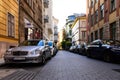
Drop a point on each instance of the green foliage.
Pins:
(66, 44)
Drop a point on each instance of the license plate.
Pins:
(19, 58)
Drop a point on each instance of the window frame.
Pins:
(11, 25)
(102, 11)
(112, 5)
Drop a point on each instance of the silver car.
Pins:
(29, 51)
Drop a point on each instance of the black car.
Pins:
(81, 48)
(108, 50)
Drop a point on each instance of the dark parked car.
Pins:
(29, 51)
(81, 48)
(72, 48)
(109, 50)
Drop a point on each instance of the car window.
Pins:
(41, 43)
(50, 43)
(95, 43)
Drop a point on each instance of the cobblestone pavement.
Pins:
(69, 66)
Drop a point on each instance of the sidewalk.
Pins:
(2, 61)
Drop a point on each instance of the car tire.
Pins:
(107, 58)
(43, 59)
(88, 54)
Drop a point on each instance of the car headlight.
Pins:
(36, 52)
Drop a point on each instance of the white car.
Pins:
(29, 51)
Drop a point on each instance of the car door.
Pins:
(96, 49)
(47, 50)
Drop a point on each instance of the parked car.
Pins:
(29, 51)
(53, 48)
(109, 50)
(81, 48)
(72, 48)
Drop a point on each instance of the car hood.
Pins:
(26, 48)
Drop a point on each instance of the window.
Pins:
(101, 11)
(11, 25)
(96, 34)
(91, 36)
(83, 34)
(96, 1)
(89, 4)
(96, 16)
(112, 5)
(113, 31)
(92, 20)
(92, 3)
(101, 33)
(83, 24)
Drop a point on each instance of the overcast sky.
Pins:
(64, 8)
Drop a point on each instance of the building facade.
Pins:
(61, 37)
(55, 31)
(79, 30)
(8, 24)
(30, 19)
(68, 29)
(103, 19)
(48, 20)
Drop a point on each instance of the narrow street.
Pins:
(66, 66)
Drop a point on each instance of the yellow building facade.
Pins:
(9, 11)
(79, 30)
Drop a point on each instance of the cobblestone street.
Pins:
(69, 66)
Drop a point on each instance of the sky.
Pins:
(63, 8)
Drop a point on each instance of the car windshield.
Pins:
(41, 43)
(29, 43)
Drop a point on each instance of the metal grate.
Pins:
(19, 53)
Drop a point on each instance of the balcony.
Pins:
(46, 3)
(46, 19)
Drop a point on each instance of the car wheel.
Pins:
(43, 59)
(88, 54)
(107, 58)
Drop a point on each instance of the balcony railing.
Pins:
(46, 3)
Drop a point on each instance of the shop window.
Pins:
(11, 25)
